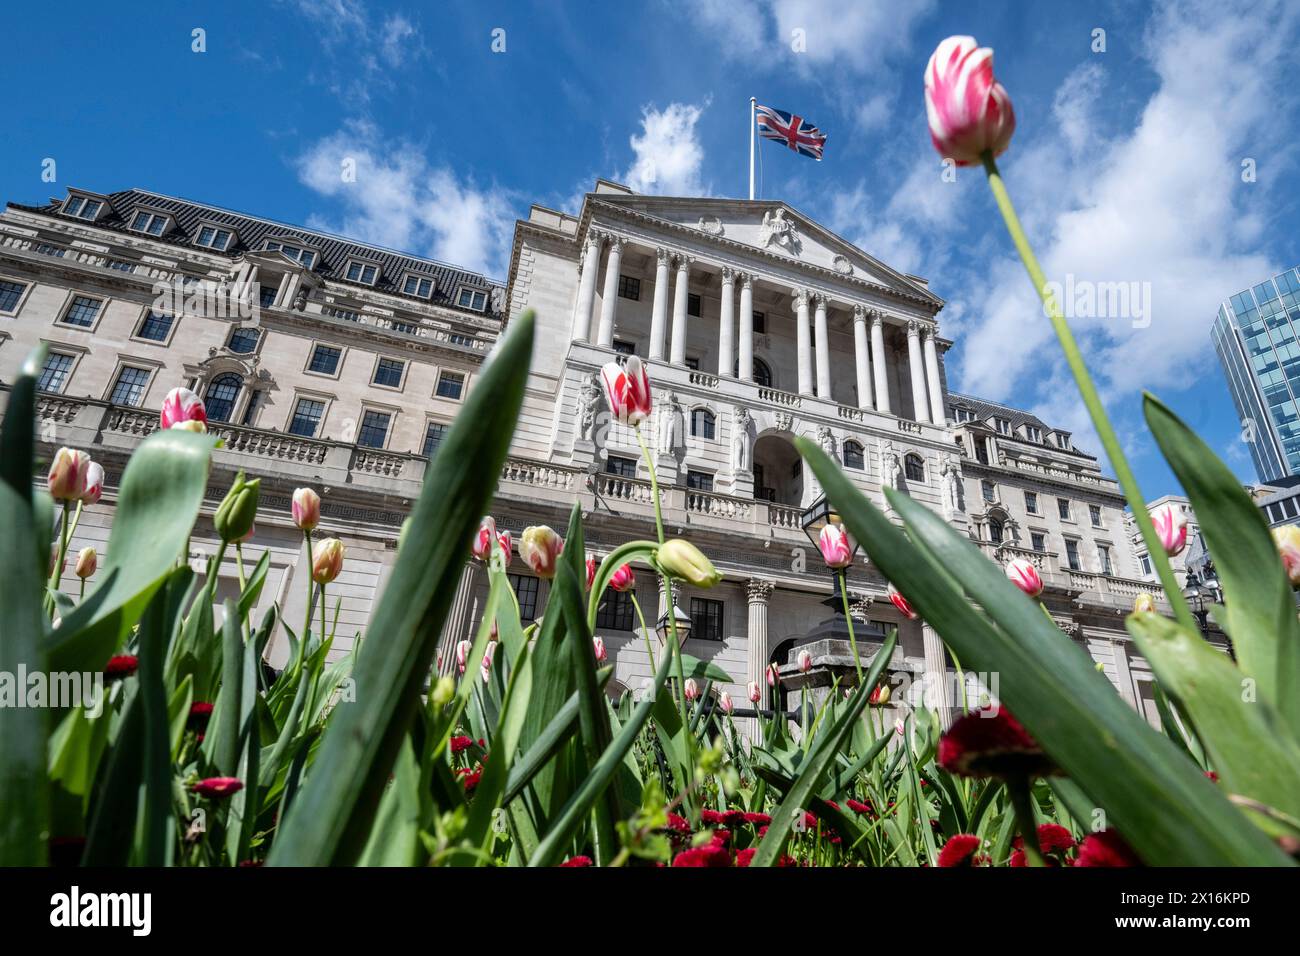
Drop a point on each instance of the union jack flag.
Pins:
(795, 131)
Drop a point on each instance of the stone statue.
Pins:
(890, 470)
(951, 486)
(826, 439)
(740, 439)
(587, 398)
(668, 428)
(778, 230)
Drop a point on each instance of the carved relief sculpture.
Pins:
(740, 439)
(668, 427)
(587, 399)
(779, 231)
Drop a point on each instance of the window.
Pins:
(703, 423)
(996, 530)
(760, 323)
(706, 619)
(83, 207)
(82, 312)
(624, 348)
(1038, 540)
(374, 429)
(362, 272)
(434, 433)
(152, 223)
(988, 490)
(324, 359)
(960, 413)
(1146, 563)
(692, 304)
(982, 451)
(629, 287)
(699, 481)
(1031, 502)
(456, 338)
(1063, 508)
(55, 372)
(914, 468)
(1072, 554)
(1094, 515)
(130, 386)
(472, 299)
(526, 593)
(304, 257)
(120, 265)
(1103, 559)
(306, 417)
(266, 295)
(450, 385)
(337, 313)
(762, 374)
(10, 293)
(388, 372)
(220, 400)
(853, 457)
(417, 286)
(1063, 440)
(45, 249)
(406, 327)
(211, 237)
(243, 340)
(693, 362)
(1033, 433)
(1003, 426)
(623, 467)
(616, 612)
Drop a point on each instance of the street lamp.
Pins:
(663, 627)
(820, 514)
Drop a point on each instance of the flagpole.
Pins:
(752, 103)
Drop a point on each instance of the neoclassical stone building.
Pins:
(338, 364)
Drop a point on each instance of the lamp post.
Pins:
(1202, 591)
(663, 627)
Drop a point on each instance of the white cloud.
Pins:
(399, 200)
(398, 40)
(668, 155)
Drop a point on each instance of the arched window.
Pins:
(762, 374)
(220, 400)
(995, 530)
(914, 468)
(702, 423)
(853, 455)
(243, 340)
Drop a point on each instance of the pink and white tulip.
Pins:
(623, 579)
(67, 476)
(773, 675)
(1022, 573)
(835, 546)
(969, 112)
(805, 662)
(94, 483)
(541, 547)
(482, 546)
(901, 603)
(1171, 528)
(87, 562)
(485, 668)
(182, 405)
(598, 646)
(462, 654)
(591, 571)
(327, 561)
(725, 704)
(627, 390)
(306, 509)
(1287, 540)
(692, 689)
(755, 693)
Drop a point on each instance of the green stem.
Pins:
(57, 573)
(1022, 803)
(1091, 399)
(645, 632)
(654, 484)
(853, 642)
(306, 621)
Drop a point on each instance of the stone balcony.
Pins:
(1097, 589)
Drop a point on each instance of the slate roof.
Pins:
(252, 232)
(985, 410)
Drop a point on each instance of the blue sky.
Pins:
(1126, 164)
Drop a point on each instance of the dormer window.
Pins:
(364, 272)
(472, 299)
(961, 413)
(83, 207)
(214, 237)
(1033, 433)
(1003, 426)
(419, 286)
(304, 257)
(150, 223)
(1063, 440)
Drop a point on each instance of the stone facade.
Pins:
(758, 325)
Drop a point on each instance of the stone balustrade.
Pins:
(1105, 588)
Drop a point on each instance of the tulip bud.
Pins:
(485, 668)
(773, 675)
(443, 691)
(591, 571)
(805, 662)
(627, 390)
(692, 689)
(623, 579)
(724, 703)
(87, 562)
(462, 654)
(180, 406)
(900, 602)
(835, 546)
(94, 484)
(598, 645)
(306, 509)
(1171, 528)
(681, 559)
(540, 547)
(1287, 540)
(755, 694)
(327, 561)
(969, 112)
(67, 476)
(898, 727)
(1022, 573)
(879, 696)
(1144, 603)
(235, 514)
(482, 546)
(503, 539)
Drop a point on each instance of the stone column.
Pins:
(727, 322)
(936, 672)
(609, 299)
(678, 356)
(878, 361)
(659, 311)
(861, 363)
(460, 619)
(917, 373)
(938, 414)
(1124, 676)
(586, 286)
(823, 348)
(802, 343)
(759, 592)
(746, 360)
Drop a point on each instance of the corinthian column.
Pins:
(727, 322)
(746, 328)
(659, 310)
(457, 626)
(802, 343)
(920, 407)
(937, 411)
(609, 300)
(936, 672)
(756, 654)
(878, 361)
(679, 310)
(823, 348)
(586, 286)
(861, 364)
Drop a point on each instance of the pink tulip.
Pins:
(725, 704)
(67, 477)
(755, 694)
(94, 483)
(503, 539)
(900, 602)
(327, 561)
(773, 675)
(834, 544)
(623, 579)
(598, 645)
(1024, 575)
(87, 562)
(692, 689)
(482, 546)
(970, 113)
(182, 405)
(1287, 541)
(1171, 528)
(627, 390)
(462, 654)
(541, 547)
(306, 509)
(485, 668)
(591, 571)
(805, 662)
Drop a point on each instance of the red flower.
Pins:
(1106, 848)
(712, 855)
(961, 851)
(744, 856)
(734, 818)
(123, 665)
(859, 807)
(577, 861)
(470, 779)
(1214, 777)
(218, 787)
(762, 819)
(721, 837)
(762, 831)
(787, 860)
(987, 743)
(200, 711)
(710, 818)
(678, 823)
(461, 744)
(246, 864)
